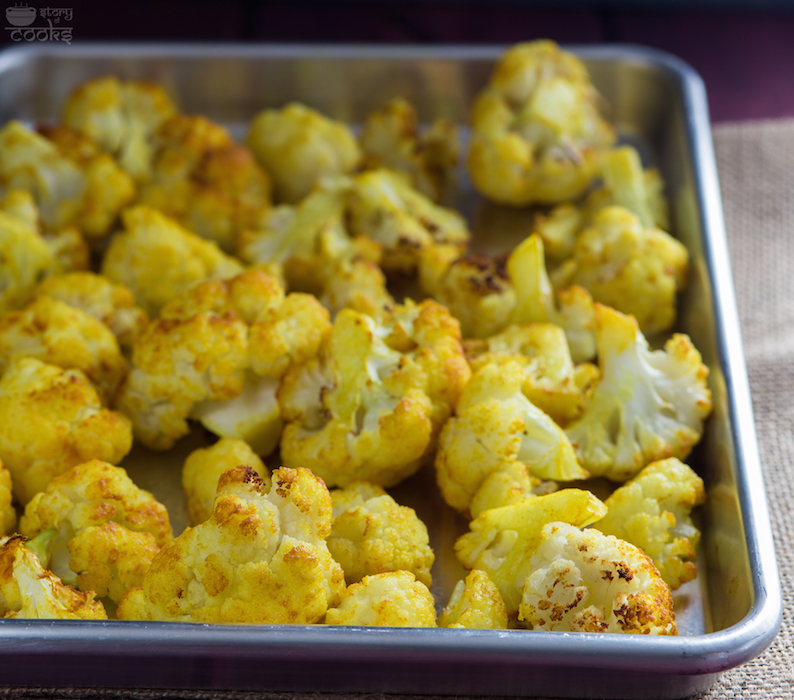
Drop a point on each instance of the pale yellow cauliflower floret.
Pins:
(475, 604)
(373, 534)
(63, 335)
(393, 599)
(583, 581)
(52, 419)
(28, 591)
(113, 304)
(204, 467)
(260, 558)
(121, 116)
(8, 514)
(297, 146)
(204, 180)
(537, 131)
(158, 259)
(96, 529)
(370, 405)
(648, 404)
(495, 428)
(392, 138)
(652, 511)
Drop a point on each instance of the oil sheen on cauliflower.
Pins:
(537, 132)
(99, 531)
(370, 405)
(475, 604)
(297, 146)
(373, 534)
(52, 419)
(648, 404)
(393, 599)
(260, 558)
(28, 591)
(652, 511)
(584, 581)
(496, 429)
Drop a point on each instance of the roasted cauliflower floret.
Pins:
(260, 558)
(370, 405)
(204, 467)
(633, 269)
(28, 591)
(648, 405)
(63, 335)
(393, 599)
(158, 259)
(112, 304)
(475, 604)
(373, 534)
(583, 581)
(297, 146)
(8, 514)
(204, 180)
(652, 512)
(392, 139)
(494, 428)
(101, 531)
(121, 116)
(52, 419)
(537, 131)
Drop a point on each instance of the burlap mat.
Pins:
(756, 166)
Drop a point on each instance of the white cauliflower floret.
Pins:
(28, 591)
(51, 419)
(297, 146)
(391, 138)
(158, 259)
(370, 405)
(652, 512)
(648, 405)
(393, 599)
(260, 558)
(495, 427)
(475, 604)
(537, 132)
(373, 534)
(204, 467)
(98, 531)
(8, 514)
(583, 581)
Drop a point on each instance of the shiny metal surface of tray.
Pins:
(726, 617)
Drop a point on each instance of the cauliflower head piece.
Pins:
(391, 599)
(648, 405)
(297, 146)
(260, 558)
(52, 419)
(584, 581)
(537, 132)
(475, 603)
(652, 511)
(372, 534)
(28, 591)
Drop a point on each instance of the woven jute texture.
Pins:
(756, 167)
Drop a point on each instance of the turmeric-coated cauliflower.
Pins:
(373, 534)
(537, 132)
(28, 591)
(52, 419)
(495, 427)
(393, 599)
(8, 514)
(260, 558)
(583, 581)
(96, 529)
(297, 146)
(652, 512)
(648, 404)
(475, 604)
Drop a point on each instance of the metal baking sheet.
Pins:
(726, 617)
